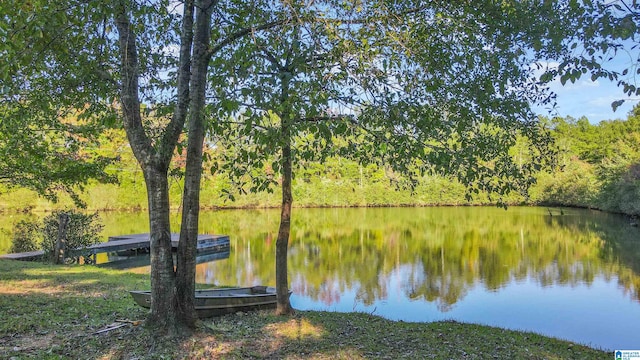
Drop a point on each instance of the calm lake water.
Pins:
(574, 274)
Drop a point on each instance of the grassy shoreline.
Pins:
(53, 312)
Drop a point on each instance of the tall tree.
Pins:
(289, 90)
(155, 157)
(200, 38)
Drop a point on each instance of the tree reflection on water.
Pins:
(443, 252)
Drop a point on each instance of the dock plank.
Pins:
(206, 243)
(31, 255)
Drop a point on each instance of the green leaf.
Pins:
(564, 78)
(616, 104)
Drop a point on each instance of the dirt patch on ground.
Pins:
(26, 345)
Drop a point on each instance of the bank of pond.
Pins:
(567, 273)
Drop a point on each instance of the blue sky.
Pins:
(590, 99)
(593, 98)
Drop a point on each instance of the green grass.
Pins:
(52, 312)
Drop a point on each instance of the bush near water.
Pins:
(82, 230)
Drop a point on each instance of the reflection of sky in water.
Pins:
(598, 314)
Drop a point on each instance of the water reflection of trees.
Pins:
(620, 250)
(440, 253)
(432, 254)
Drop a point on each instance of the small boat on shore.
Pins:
(214, 302)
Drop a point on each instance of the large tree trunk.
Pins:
(162, 275)
(186, 258)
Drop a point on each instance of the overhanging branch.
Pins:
(326, 118)
(241, 33)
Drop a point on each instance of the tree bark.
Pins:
(187, 247)
(283, 306)
(163, 301)
(282, 243)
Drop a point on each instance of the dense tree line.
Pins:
(598, 166)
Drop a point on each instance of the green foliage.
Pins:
(585, 53)
(598, 165)
(394, 94)
(52, 106)
(26, 237)
(609, 141)
(438, 90)
(576, 185)
(82, 230)
(622, 192)
(599, 176)
(48, 155)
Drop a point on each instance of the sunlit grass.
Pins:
(296, 329)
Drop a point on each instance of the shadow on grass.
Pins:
(43, 307)
(323, 335)
(65, 305)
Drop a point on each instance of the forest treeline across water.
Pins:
(598, 166)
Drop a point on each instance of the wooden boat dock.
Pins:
(26, 256)
(206, 243)
(117, 262)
